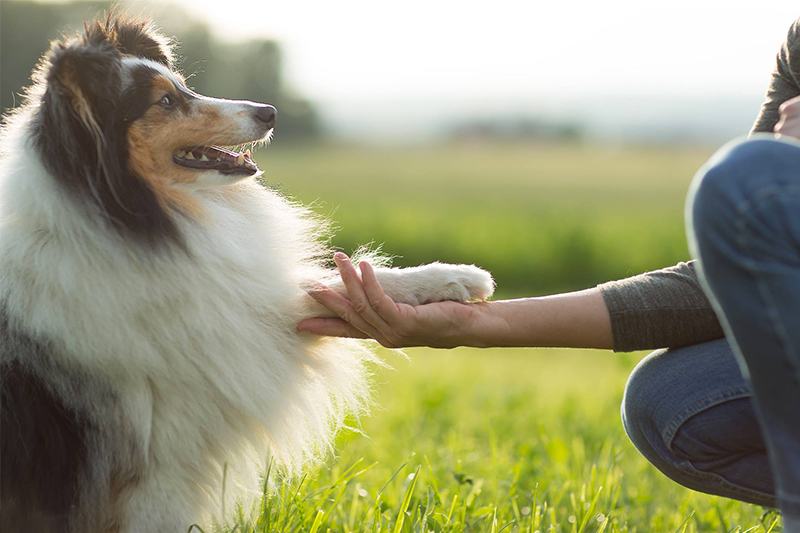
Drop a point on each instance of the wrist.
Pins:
(484, 326)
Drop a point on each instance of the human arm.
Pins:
(579, 319)
(784, 82)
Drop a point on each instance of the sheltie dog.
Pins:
(149, 293)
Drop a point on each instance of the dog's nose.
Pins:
(266, 114)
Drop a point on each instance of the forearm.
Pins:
(572, 320)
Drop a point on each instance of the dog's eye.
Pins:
(167, 101)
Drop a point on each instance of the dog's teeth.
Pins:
(240, 159)
(203, 157)
(190, 155)
(181, 153)
(247, 153)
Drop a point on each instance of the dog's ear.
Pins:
(138, 37)
(87, 78)
(131, 35)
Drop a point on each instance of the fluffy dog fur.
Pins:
(148, 299)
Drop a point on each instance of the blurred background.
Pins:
(551, 144)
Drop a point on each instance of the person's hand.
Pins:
(367, 312)
(789, 123)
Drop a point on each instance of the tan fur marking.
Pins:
(162, 85)
(152, 160)
(212, 114)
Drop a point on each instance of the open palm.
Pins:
(367, 312)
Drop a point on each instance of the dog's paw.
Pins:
(467, 282)
(461, 283)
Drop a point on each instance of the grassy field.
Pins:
(503, 439)
(541, 218)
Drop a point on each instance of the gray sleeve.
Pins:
(668, 308)
(784, 83)
(665, 308)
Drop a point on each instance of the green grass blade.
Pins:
(398, 526)
(317, 522)
(683, 523)
(590, 511)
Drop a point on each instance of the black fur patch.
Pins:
(81, 131)
(132, 36)
(43, 443)
(61, 470)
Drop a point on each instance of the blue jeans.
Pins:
(732, 427)
(689, 412)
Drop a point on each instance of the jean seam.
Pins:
(744, 210)
(668, 434)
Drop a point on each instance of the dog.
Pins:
(149, 293)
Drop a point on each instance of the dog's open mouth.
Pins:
(216, 158)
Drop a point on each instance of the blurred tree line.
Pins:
(250, 70)
(516, 129)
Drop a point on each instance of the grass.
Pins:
(498, 440)
(503, 439)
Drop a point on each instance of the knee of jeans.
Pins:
(637, 410)
(730, 178)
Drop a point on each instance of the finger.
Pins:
(331, 327)
(382, 304)
(790, 107)
(356, 327)
(355, 290)
(789, 127)
(343, 308)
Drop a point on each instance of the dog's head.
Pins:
(119, 127)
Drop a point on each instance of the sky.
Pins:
(411, 59)
(348, 48)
